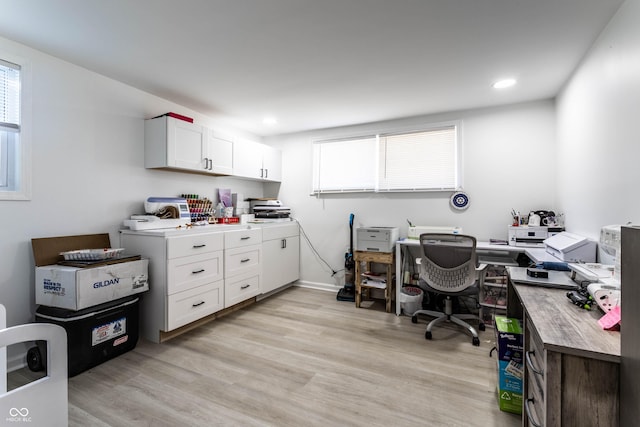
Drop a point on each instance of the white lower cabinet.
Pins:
(281, 260)
(196, 273)
(242, 260)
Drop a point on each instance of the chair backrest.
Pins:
(448, 261)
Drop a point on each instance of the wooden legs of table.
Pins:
(368, 258)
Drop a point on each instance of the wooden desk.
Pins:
(374, 257)
(572, 366)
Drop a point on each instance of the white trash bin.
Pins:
(410, 300)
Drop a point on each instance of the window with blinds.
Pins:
(12, 165)
(424, 160)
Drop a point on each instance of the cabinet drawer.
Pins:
(241, 238)
(188, 272)
(534, 410)
(273, 232)
(194, 244)
(241, 288)
(242, 260)
(193, 304)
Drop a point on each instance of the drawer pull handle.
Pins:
(198, 246)
(245, 238)
(198, 271)
(244, 286)
(530, 363)
(528, 411)
(197, 304)
(245, 260)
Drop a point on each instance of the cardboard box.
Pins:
(510, 368)
(76, 288)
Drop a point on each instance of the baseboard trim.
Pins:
(317, 285)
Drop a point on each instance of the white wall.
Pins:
(598, 138)
(87, 169)
(509, 162)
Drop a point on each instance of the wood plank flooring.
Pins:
(299, 358)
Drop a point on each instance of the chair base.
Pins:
(458, 319)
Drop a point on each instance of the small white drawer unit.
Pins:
(243, 263)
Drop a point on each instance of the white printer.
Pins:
(376, 239)
(570, 247)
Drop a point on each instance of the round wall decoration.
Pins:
(460, 200)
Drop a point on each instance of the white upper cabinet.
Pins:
(176, 144)
(219, 153)
(256, 161)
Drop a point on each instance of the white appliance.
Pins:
(161, 212)
(376, 239)
(269, 209)
(417, 230)
(570, 247)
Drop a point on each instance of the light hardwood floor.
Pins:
(299, 358)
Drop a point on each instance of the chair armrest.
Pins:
(481, 273)
(482, 267)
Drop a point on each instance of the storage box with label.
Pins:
(95, 334)
(510, 359)
(83, 283)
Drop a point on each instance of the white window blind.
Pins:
(425, 160)
(10, 152)
(9, 95)
(419, 161)
(345, 165)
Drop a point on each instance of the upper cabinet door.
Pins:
(219, 153)
(256, 161)
(247, 159)
(272, 163)
(186, 145)
(174, 143)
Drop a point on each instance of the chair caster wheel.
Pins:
(476, 341)
(414, 319)
(427, 335)
(481, 327)
(34, 359)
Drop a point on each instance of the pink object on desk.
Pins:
(611, 320)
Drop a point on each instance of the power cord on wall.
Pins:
(313, 249)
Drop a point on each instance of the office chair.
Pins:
(448, 267)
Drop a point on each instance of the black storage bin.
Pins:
(95, 334)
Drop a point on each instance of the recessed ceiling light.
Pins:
(503, 84)
(270, 121)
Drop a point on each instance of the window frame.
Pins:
(19, 155)
(386, 132)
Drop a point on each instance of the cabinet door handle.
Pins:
(244, 286)
(197, 304)
(245, 238)
(528, 412)
(210, 164)
(266, 173)
(198, 246)
(284, 243)
(261, 173)
(206, 163)
(535, 369)
(245, 260)
(198, 271)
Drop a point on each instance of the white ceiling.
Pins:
(318, 63)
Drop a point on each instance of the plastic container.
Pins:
(94, 335)
(410, 300)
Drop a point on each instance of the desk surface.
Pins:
(564, 327)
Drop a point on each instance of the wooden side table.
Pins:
(388, 259)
